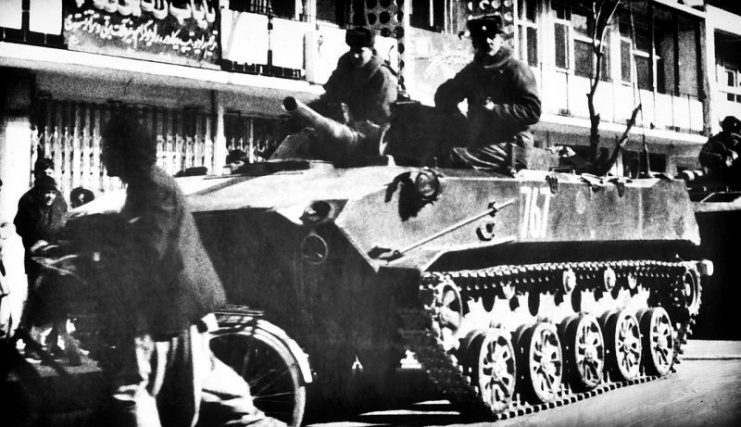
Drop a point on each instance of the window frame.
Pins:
(731, 91)
(523, 24)
(564, 22)
(573, 36)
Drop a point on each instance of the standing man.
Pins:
(164, 371)
(41, 215)
(502, 101)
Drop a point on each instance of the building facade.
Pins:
(208, 75)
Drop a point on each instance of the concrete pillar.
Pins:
(706, 57)
(710, 81)
(15, 170)
(217, 110)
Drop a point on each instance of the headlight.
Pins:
(316, 212)
(427, 185)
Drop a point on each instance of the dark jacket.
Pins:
(35, 221)
(176, 283)
(718, 150)
(505, 81)
(368, 91)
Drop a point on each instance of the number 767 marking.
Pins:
(536, 201)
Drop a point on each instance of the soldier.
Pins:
(720, 154)
(357, 101)
(164, 371)
(361, 81)
(502, 101)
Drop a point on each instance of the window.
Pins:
(572, 31)
(643, 70)
(635, 53)
(331, 11)
(731, 78)
(582, 58)
(279, 8)
(730, 84)
(625, 68)
(561, 32)
(428, 14)
(527, 31)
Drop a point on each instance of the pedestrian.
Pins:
(164, 372)
(41, 216)
(503, 102)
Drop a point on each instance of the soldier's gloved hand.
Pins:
(41, 247)
(488, 104)
(731, 158)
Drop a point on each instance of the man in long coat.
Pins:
(165, 373)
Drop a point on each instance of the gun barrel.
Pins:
(327, 127)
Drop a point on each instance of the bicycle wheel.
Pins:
(269, 368)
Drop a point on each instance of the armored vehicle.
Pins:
(503, 294)
(717, 206)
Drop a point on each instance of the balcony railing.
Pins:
(565, 94)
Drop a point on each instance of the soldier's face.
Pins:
(488, 44)
(359, 56)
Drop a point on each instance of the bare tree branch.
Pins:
(603, 14)
(620, 144)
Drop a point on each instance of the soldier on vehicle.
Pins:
(361, 81)
(164, 372)
(502, 100)
(720, 153)
(355, 109)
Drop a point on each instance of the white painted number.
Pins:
(536, 201)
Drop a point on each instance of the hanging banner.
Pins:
(181, 32)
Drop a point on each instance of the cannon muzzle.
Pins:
(326, 127)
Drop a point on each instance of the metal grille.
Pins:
(69, 133)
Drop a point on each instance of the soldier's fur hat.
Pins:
(485, 25)
(731, 124)
(360, 37)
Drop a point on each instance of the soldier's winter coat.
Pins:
(368, 91)
(502, 80)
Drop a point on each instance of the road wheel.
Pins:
(494, 368)
(658, 341)
(269, 368)
(541, 363)
(623, 344)
(584, 352)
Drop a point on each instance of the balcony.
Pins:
(565, 95)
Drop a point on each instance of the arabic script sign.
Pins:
(153, 30)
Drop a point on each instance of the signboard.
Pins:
(181, 32)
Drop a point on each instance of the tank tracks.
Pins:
(665, 282)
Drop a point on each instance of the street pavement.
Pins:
(704, 391)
